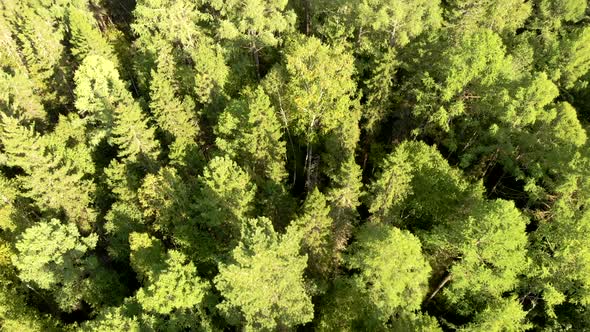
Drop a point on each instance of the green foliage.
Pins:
(264, 282)
(504, 16)
(226, 194)
(249, 131)
(416, 177)
(180, 24)
(393, 272)
(491, 247)
(52, 255)
(102, 98)
(314, 229)
(343, 165)
(173, 113)
(85, 36)
(506, 315)
(170, 282)
(254, 24)
(391, 281)
(56, 166)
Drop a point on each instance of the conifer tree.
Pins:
(491, 247)
(263, 286)
(85, 35)
(51, 256)
(102, 98)
(185, 26)
(391, 281)
(175, 114)
(314, 229)
(57, 167)
(255, 24)
(170, 283)
(249, 131)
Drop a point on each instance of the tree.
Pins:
(57, 167)
(226, 194)
(417, 179)
(249, 131)
(85, 35)
(254, 23)
(174, 113)
(314, 95)
(393, 272)
(185, 27)
(490, 252)
(503, 17)
(343, 198)
(15, 312)
(560, 274)
(393, 22)
(389, 281)
(52, 256)
(170, 283)
(19, 99)
(102, 98)
(263, 285)
(314, 229)
(36, 29)
(506, 314)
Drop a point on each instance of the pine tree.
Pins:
(314, 229)
(170, 283)
(249, 131)
(174, 114)
(57, 167)
(102, 98)
(314, 94)
(392, 281)
(85, 35)
(263, 286)
(491, 248)
(256, 24)
(51, 256)
(184, 26)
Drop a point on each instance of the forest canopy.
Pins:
(283, 165)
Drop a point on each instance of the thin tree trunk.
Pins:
(256, 58)
(307, 15)
(284, 117)
(440, 286)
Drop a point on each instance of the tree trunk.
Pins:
(307, 15)
(440, 286)
(256, 58)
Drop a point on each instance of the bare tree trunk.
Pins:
(256, 57)
(440, 286)
(286, 124)
(307, 14)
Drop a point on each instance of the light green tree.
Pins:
(389, 283)
(170, 283)
(250, 132)
(263, 286)
(174, 113)
(57, 167)
(504, 315)
(314, 229)
(490, 249)
(314, 94)
(51, 256)
(254, 24)
(85, 35)
(102, 98)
